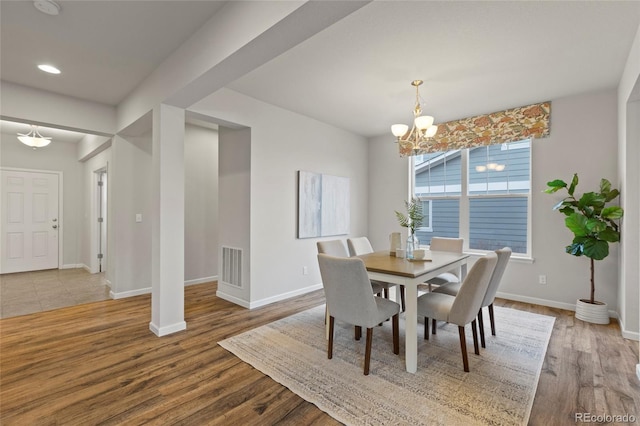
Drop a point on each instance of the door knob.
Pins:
(55, 226)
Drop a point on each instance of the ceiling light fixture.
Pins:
(34, 139)
(423, 129)
(47, 6)
(49, 68)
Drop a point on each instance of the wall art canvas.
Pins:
(323, 205)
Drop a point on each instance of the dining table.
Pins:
(384, 266)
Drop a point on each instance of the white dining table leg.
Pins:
(410, 327)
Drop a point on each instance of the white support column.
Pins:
(167, 290)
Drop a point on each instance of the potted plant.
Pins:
(411, 221)
(594, 226)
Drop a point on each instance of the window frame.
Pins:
(465, 198)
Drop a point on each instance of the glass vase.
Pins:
(412, 244)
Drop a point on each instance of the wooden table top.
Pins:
(383, 262)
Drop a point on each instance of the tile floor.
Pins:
(28, 292)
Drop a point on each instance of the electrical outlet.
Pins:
(542, 279)
(305, 270)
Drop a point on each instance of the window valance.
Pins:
(510, 125)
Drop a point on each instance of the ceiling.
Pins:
(475, 57)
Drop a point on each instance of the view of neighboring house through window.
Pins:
(481, 194)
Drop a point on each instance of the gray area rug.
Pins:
(499, 390)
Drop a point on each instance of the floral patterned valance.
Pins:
(499, 127)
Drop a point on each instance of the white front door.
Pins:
(29, 222)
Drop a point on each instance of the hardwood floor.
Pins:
(98, 363)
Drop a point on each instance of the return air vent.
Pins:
(232, 266)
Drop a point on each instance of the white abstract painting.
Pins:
(323, 205)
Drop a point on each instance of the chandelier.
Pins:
(423, 129)
(34, 139)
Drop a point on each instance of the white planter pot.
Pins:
(597, 313)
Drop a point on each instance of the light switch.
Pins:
(138, 217)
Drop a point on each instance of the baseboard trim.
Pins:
(86, 268)
(201, 280)
(631, 335)
(537, 301)
(167, 329)
(73, 266)
(284, 296)
(268, 300)
(130, 293)
(147, 290)
(232, 299)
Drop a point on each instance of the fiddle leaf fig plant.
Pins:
(413, 219)
(592, 222)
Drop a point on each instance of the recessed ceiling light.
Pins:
(49, 68)
(47, 6)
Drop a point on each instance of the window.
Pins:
(481, 194)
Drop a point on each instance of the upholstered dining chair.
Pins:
(349, 299)
(453, 245)
(362, 245)
(462, 308)
(337, 248)
(453, 288)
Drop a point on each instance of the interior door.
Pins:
(29, 223)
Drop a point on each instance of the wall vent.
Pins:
(232, 266)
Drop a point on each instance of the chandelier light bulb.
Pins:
(481, 168)
(399, 130)
(492, 166)
(500, 167)
(431, 131)
(423, 122)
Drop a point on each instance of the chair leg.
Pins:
(396, 333)
(493, 324)
(481, 326)
(463, 348)
(434, 323)
(330, 344)
(386, 293)
(358, 332)
(476, 349)
(426, 328)
(402, 298)
(367, 352)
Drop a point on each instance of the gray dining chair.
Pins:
(453, 288)
(462, 308)
(362, 245)
(337, 248)
(349, 299)
(452, 245)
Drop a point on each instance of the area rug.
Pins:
(499, 389)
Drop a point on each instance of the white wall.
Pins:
(201, 204)
(61, 157)
(129, 256)
(575, 145)
(282, 143)
(629, 175)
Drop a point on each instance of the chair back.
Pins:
(503, 260)
(333, 248)
(348, 290)
(472, 291)
(359, 245)
(453, 245)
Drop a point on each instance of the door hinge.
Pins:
(100, 183)
(100, 220)
(99, 255)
